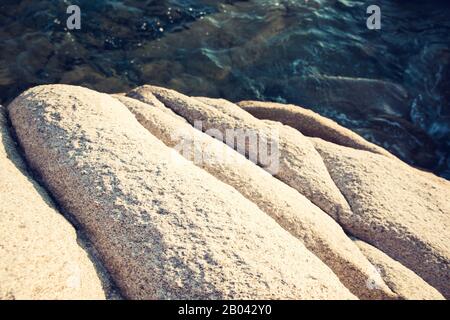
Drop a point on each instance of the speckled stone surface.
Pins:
(300, 166)
(165, 228)
(174, 213)
(318, 231)
(403, 211)
(39, 254)
(405, 283)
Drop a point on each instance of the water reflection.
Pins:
(392, 86)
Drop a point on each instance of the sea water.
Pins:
(391, 85)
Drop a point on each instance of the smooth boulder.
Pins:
(298, 163)
(318, 231)
(165, 228)
(40, 256)
(401, 210)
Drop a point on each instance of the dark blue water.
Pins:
(391, 85)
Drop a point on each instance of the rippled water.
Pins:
(392, 85)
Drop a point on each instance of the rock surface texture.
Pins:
(298, 164)
(319, 232)
(401, 210)
(403, 281)
(165, 228)
(198, 198)
(39, 254)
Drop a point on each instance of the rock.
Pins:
(40, 256)
(309, 123)
(294, 160)
(165, 228)
(400, 279)
(402, 211)
(296, 214)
